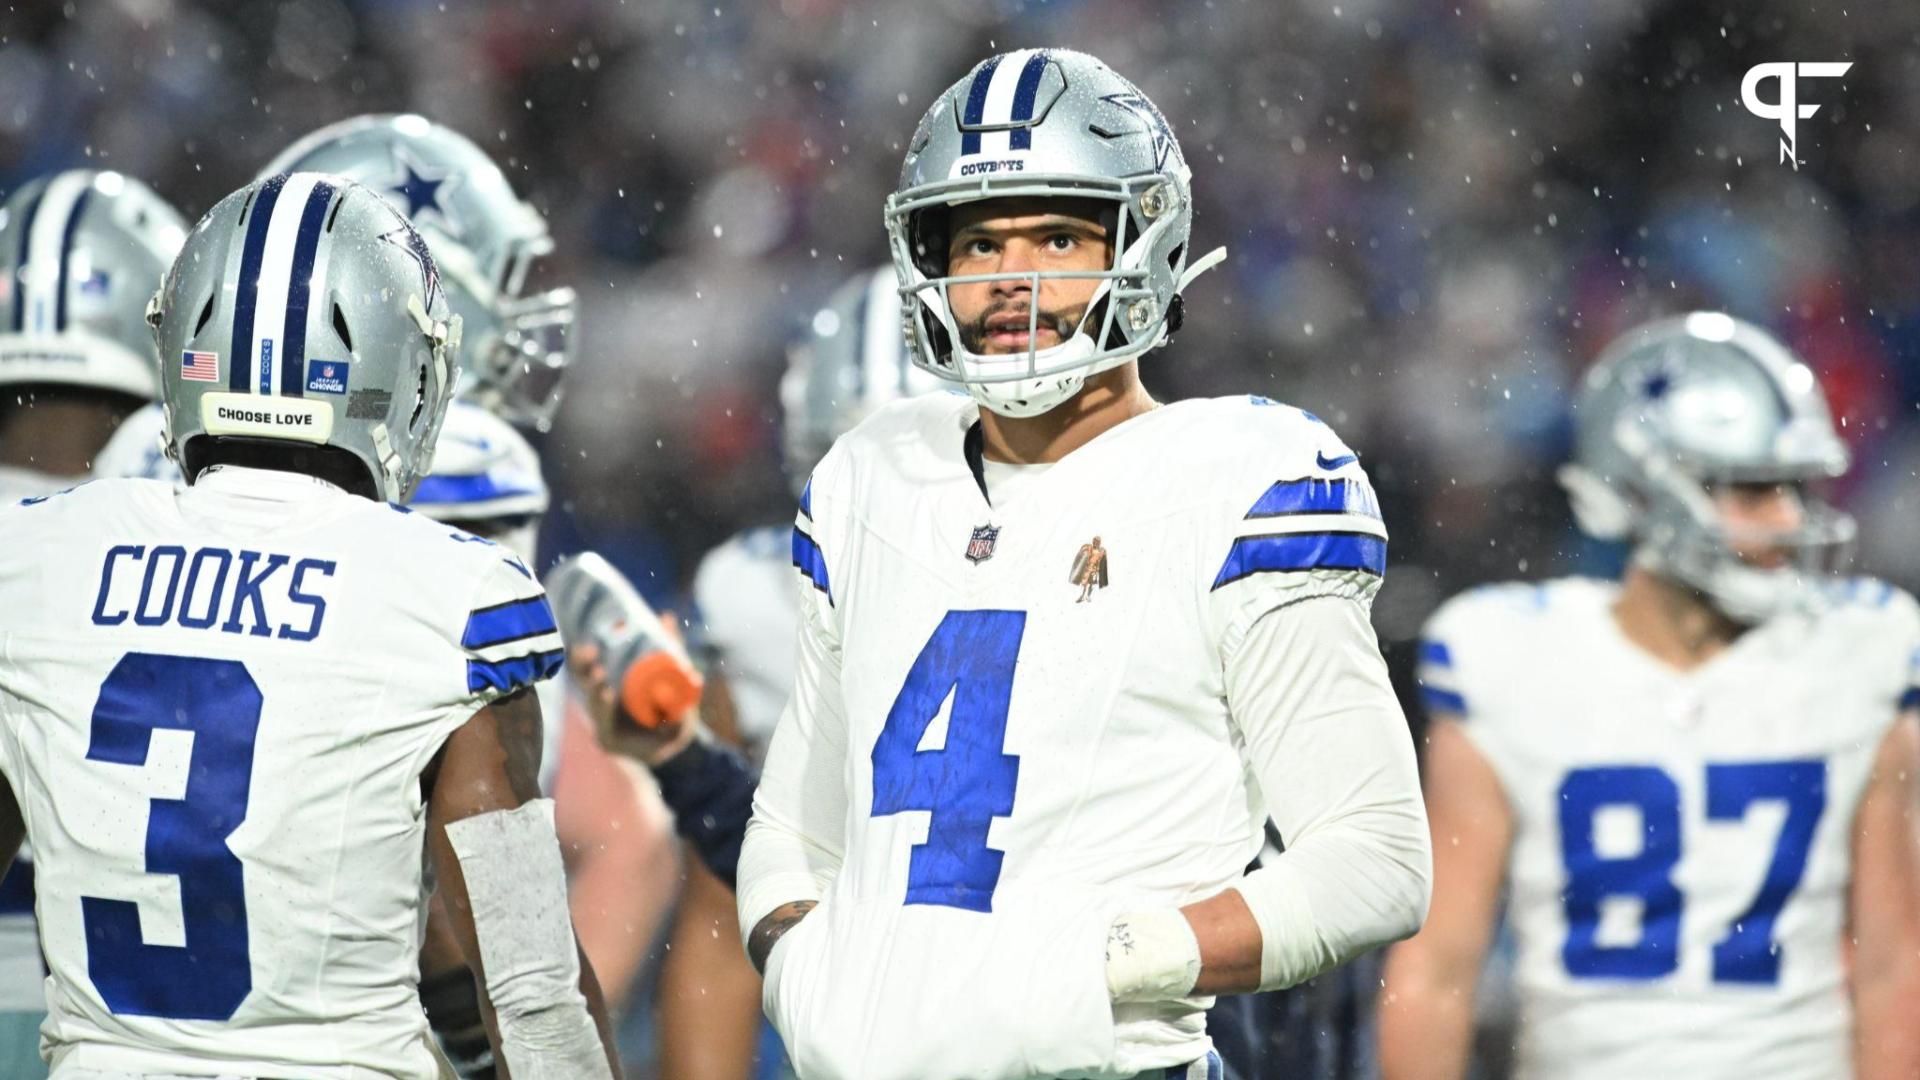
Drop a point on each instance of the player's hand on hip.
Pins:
(887, 991)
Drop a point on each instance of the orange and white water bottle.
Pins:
(653, 680)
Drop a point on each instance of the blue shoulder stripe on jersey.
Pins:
(439, 490)
(1910, 699)
(806, 500)
(513, 674)
(36, 500)
(976, 106)
(20, 262)
(1303, 551)
(246, 296)
(66, 255)
(1316, 495)
(811, 561)
(306, 246)
(1024, 93)
(1436, 653)
(511, 621)
(16, 890)
(1438, 700)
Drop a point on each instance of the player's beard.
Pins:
(973, 333)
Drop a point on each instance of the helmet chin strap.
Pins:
(1031, 397)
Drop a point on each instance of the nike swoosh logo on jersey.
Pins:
(1321, 459)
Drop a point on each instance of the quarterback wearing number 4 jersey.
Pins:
(1004, 822)
(1697, 784)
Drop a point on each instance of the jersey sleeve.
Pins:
(1441, 690)
(1905, 618)
(509, 638)
(1465, 669)
(795, 839)
(1325, 737)
(1298, 520)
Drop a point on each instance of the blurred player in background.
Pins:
(849, 360)
(485, 239)
(324, 689)
(81, 253)
(487, 242)
(1025, 821)
(1697, 786)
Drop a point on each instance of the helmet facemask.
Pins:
(517, 346)
(1699, 547)
(1122, 319)
(1680, 532)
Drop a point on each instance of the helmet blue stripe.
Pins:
(65, 284)
(306, 247)
(20, 264)
(976, 106)
(1023, 94)
(247, 291)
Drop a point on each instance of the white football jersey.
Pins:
(1678, 878)
(20, 968)
(215, 708)
(744, 594)
(1034, 688)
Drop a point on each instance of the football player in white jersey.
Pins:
(80, 254)
(850, 359)
(621, 873)
(1024, 820)
(1696, 786)
(234, 718)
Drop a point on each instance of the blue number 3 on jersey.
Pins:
(217, 700)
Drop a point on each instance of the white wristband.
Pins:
(1152, 956)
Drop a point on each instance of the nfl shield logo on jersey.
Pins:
(980, 545)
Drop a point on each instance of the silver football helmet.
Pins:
(80, 254)
(1680, 406)
(1046, 122)
(485, 471)
(484, 238)
(850, 360)
(304, 308)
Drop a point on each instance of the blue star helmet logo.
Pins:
(408, 240)
(418, 188)
(1155, 124)
(419, 191)
(1657, 385)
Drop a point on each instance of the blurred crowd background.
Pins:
(1437, 213)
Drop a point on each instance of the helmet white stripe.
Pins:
(1000, 94)
(276, 271)
(44, 245)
